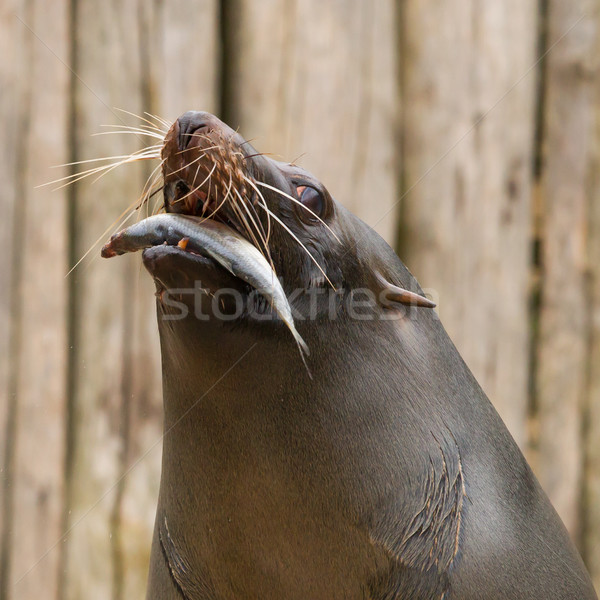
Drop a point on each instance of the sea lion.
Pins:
(377, 470)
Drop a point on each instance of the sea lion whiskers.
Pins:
(249, 208)
(119, 157)
(126, 129)
(259, 229)
(102, 158)
(194, 190)
(295, 237)
(271, 214)
(195, 177)
(298, 203)
(261, 198)
(145, 157)
(244, 157)
(115, 226)
(223, 201)
(152, 179)
(161, 121)
(190, 149)
(76, 177)
(159, 205)
(233, 202)
(247, 205)
(152, 191)
(196, 160)
(244, 221)
(151, 196)
(293, 162)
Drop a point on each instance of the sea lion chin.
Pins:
(374, 467)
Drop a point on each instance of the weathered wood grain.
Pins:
(108, 75)
(10, 35)
(591, 504)
(185, 50)
(468, 95)
(319, 80)
(564, 317)
(38, 317)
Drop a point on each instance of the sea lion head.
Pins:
(316, 247)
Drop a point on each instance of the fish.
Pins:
(217, 241)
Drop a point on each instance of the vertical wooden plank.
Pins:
(9, 38)
(185, 46)
(108, 75)
(564, 317)
(591, 504)
(320, 79)
(468, 148)
(39, 314)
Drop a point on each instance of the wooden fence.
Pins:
(467, 132)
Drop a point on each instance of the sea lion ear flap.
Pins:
(391, 295)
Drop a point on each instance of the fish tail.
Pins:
(302, 347)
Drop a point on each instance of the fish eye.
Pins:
(313, 200)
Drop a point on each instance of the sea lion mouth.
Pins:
(204, 176)
(174, 268)
(207, 238)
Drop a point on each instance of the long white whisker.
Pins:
(264, 202)
(75, 177)
(194, 190)
(124, 162)
(142, 118)
(158, 206)
(295, 200)
(104, 158)
(301, 244)
(103, 235)
(158, 119)
(237, 210)
(149, 197)
(136, 132)
(218, 208)
(153, 178)
(139, 128)
(258, 227)
(193, 148)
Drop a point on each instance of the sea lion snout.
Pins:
(193, 122)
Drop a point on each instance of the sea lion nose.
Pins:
(191, 123)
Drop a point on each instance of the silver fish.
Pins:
(217, 241)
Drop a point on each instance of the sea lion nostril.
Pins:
(190, 123)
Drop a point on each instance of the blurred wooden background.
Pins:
(467, 132)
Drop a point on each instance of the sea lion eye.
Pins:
(312, 200)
